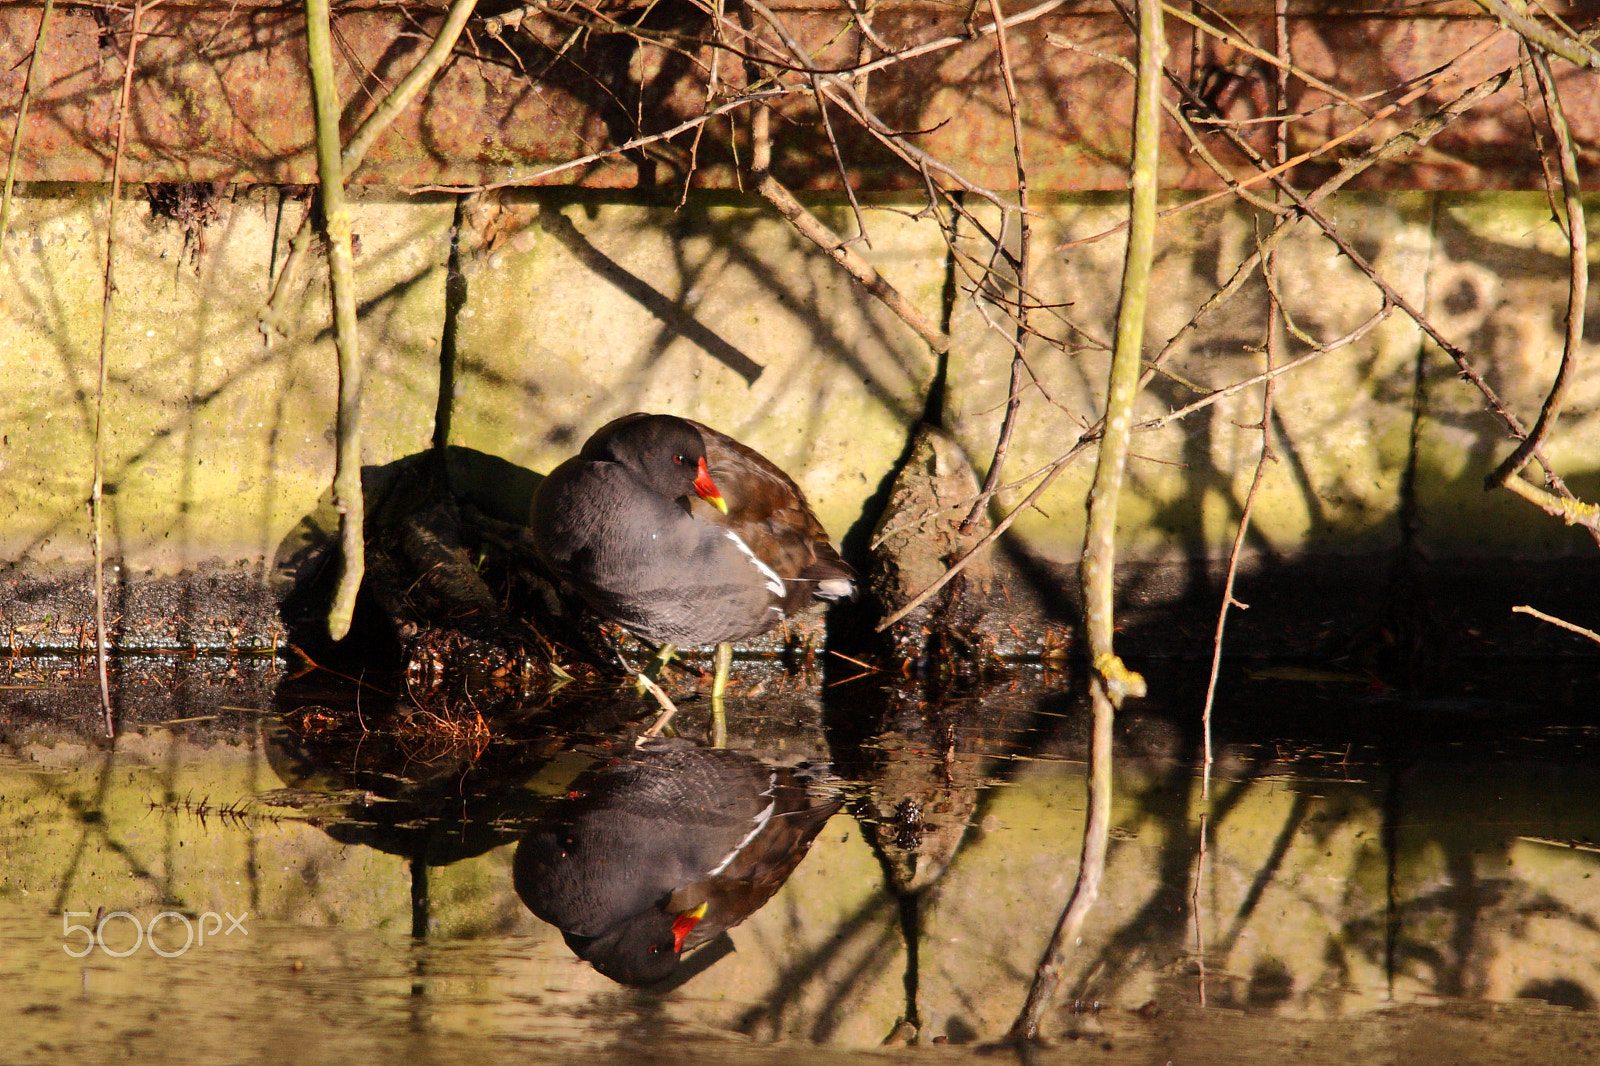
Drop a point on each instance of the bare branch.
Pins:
(97, 491)
(1574, 50)
(1008, 424)
(1266, 173)
(1578, 277)
(637, 142)
(1266, 57)
(273, 318)
(1110, 681)
(347, 495)
(28, 85)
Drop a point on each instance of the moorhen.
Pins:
(665, 848)
(684, 536)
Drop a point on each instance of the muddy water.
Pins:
(294, 869)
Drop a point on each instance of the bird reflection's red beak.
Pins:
(683, 923)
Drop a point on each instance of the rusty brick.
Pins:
(221, 94)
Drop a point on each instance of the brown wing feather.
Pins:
(769, 511)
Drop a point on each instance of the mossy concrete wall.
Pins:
(583, 306)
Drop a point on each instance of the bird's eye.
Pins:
(680, 459)
(655, 949)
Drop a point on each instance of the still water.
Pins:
(293, 866)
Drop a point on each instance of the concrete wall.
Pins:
(583, 306)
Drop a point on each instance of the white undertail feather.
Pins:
(836, 588)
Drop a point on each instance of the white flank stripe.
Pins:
(774, 582)
(761, 823)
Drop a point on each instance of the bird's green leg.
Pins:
(658, 665)
(719, 685)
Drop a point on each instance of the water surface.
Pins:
(1381, 879)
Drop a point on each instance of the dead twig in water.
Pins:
(1553, 620)
(858, 662)
(668, 708)
(1110, 680)
(97, 492)
(1194, 906)
(1575, 845)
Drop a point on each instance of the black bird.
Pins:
(660, 851)
(684, 536)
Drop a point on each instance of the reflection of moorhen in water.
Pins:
(660, 851)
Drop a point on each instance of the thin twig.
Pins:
(713, 87)
(1578, 276)
(628, 146)
(1275, 322)
(838, 162)
(1008, 424)
(1266, 57)
(1265, 173)
(28, 86)
(97, 492)
(347, 496)
(815, 230)
(1110, 680)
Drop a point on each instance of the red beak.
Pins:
(707, 489)
(683, 923)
